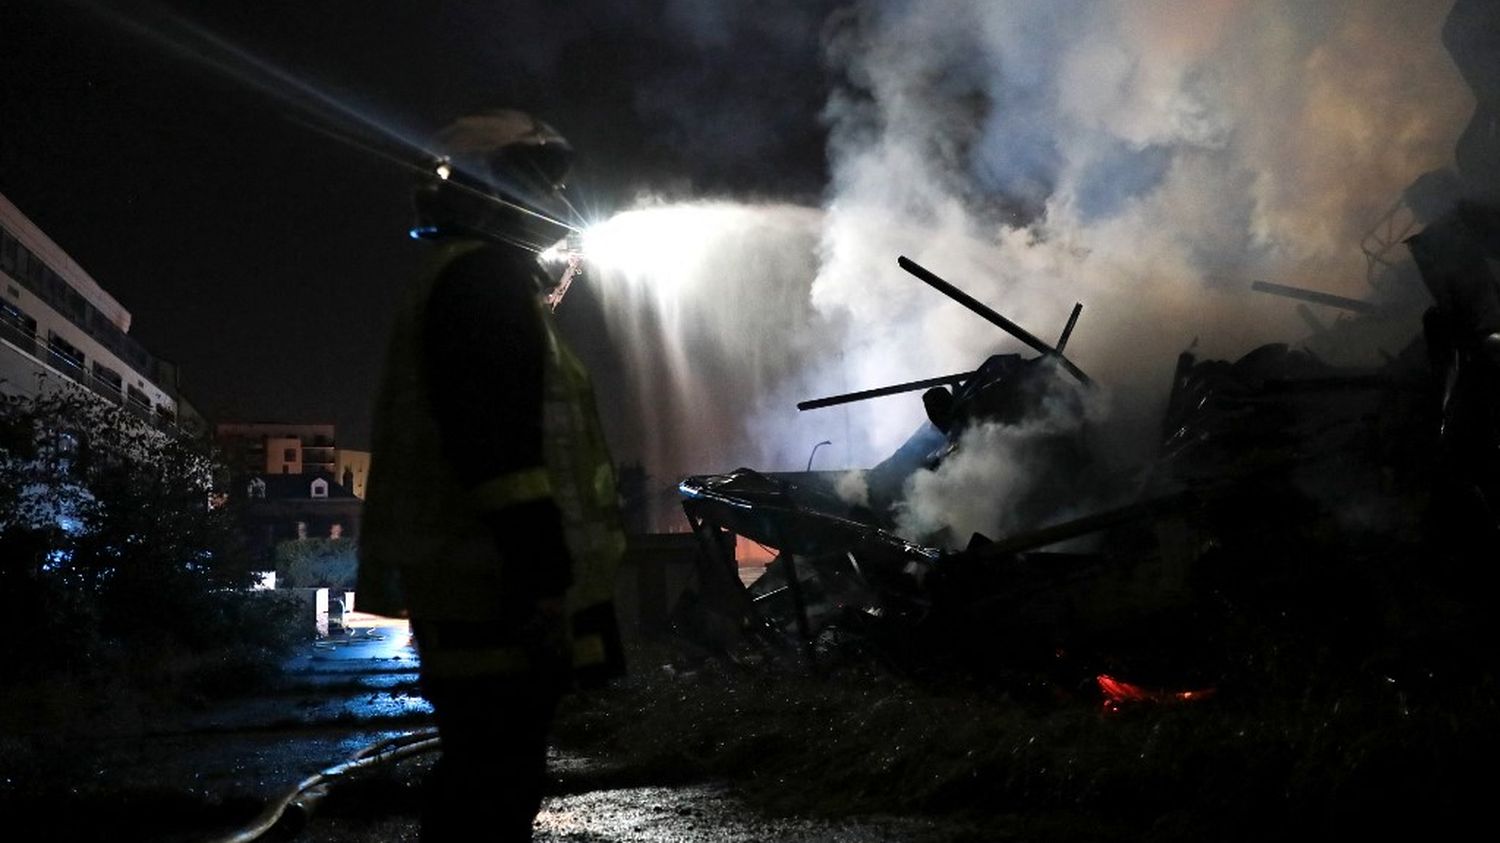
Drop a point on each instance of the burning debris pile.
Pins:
(1290, 501)
(1296, 509)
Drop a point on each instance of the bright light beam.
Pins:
(213, 52)
(330, 116)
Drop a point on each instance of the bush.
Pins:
(109, 550)
(316, 563)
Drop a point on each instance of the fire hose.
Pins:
(305, 795)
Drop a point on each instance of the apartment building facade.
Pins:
(59, 328)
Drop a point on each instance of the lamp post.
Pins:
(815, 452)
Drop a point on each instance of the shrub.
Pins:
(109, 549)
(316, 563)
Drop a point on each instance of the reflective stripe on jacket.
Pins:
(425, 551)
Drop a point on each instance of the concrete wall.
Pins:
(655, 572)
(312, 604)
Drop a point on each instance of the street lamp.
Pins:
(815, 452)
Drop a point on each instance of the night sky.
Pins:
(266, 258)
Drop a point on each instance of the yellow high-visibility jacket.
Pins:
(425, 550)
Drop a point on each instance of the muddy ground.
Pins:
(198, 775)
(693, 748)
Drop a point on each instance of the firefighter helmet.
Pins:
(497, 173)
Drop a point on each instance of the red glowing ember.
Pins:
(1118, 693)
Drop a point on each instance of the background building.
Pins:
(294, 479)
(58, 327)
(283, 507)
(278, 448)
(353, 470)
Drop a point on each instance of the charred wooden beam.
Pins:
(1312, 320)
(1316, 297)
(1062, 341)
(1086, 525)
(983, 310)
(988, 314)
(897, 389)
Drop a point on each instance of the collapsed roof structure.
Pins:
(1295, 511)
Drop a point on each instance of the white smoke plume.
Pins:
(1003, 477)
(853, 488)
(1148, 159)
(1129, 156)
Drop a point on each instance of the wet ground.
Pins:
(208, 773)
(699, 749)
(659, 814)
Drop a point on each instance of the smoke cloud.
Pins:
(1146, 159)
(1004, 477)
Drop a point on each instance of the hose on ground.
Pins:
(305, 795)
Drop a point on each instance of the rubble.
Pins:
(1289, 498)
(1300, 520)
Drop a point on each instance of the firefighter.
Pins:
(1456, 252)
(1462, 332)
(491, 517)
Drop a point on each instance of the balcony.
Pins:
(21, 338)
(73, 370)
(65, 363)
(140, 411)
(319, 456)
(112, 391)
